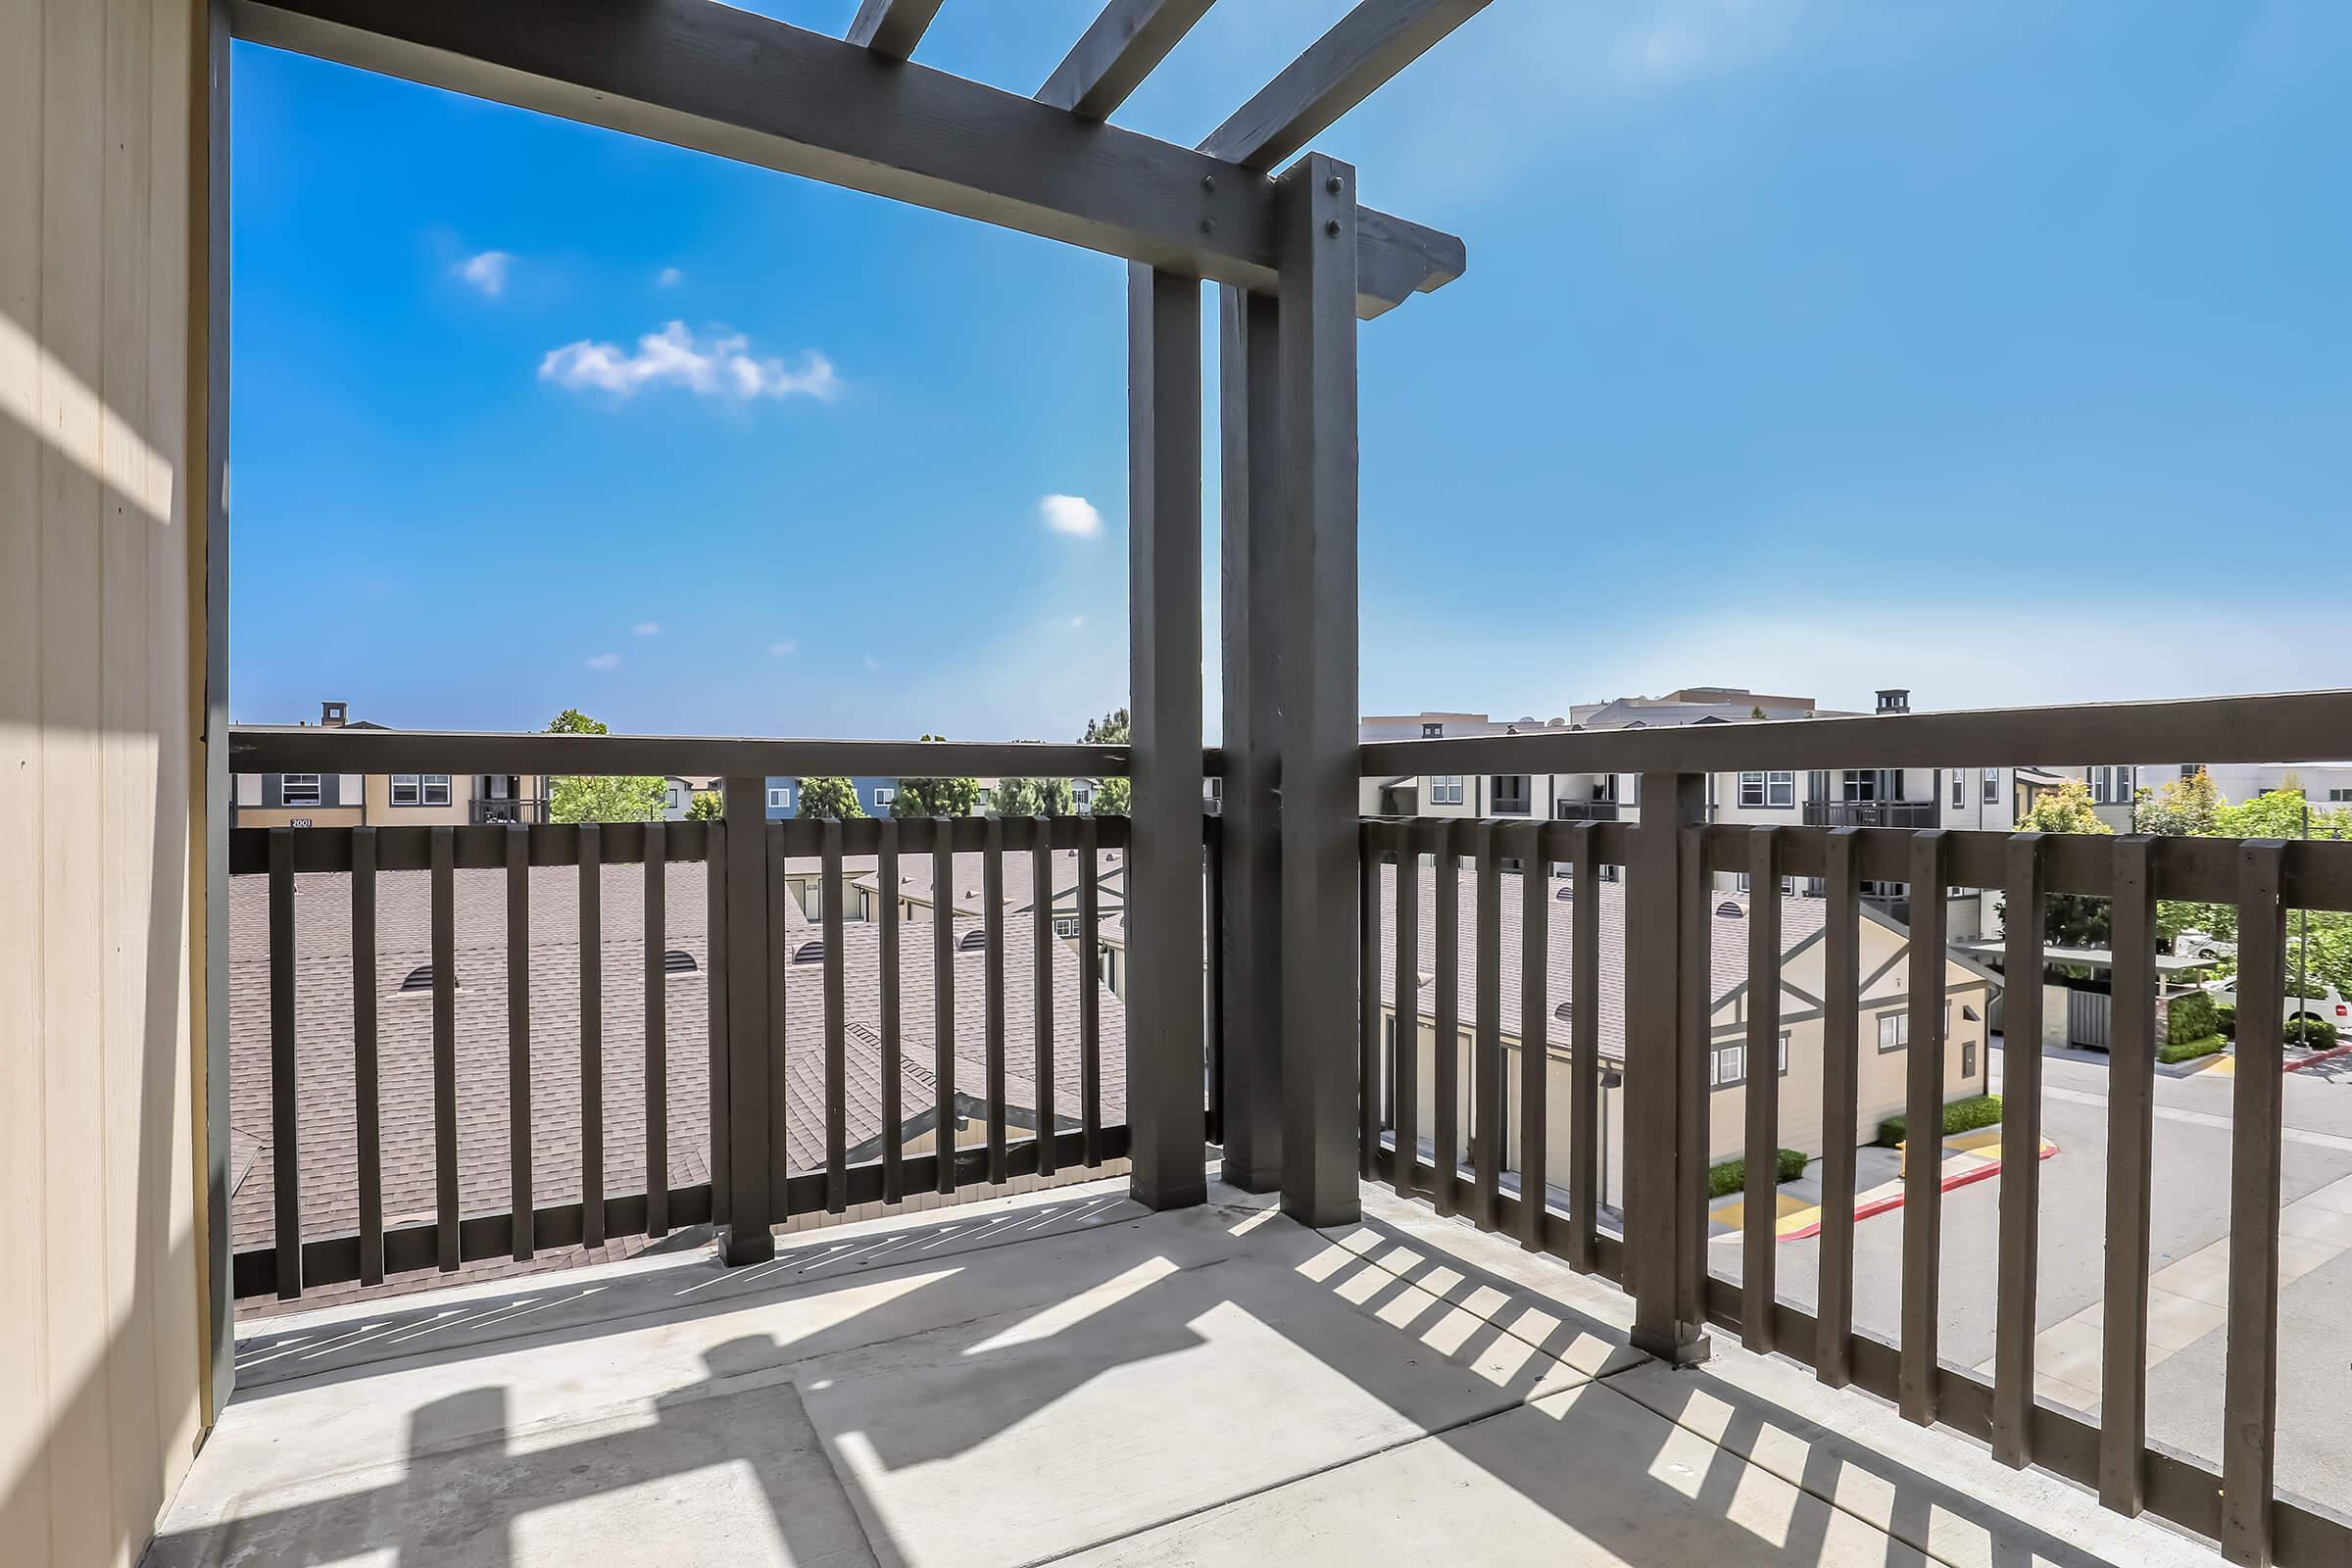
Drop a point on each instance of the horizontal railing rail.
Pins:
(1872, 814)
(2211, 729)
(1067, 1127)
(1466, 1128)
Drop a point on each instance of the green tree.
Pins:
(936, 796)
(2185, 809)
(617, 798)
(1113, 796)
(707, 806)
(2319, 941)
(2071, 919)
(1032, 797)
(830, 799)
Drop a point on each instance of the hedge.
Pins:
(2315, 1034)
(2224, 1020)
(1960, 1117)
(1731, 1175)
(2173, 1051)
(2189, 1016)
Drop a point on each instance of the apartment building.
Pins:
(383, 800)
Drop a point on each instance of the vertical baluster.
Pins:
(1041, 935)
(779, 1031)
(365, 1066)
(1367, 1004)
(837, 1165)
(1090, 989)
(2250, 1377)
(444, 1045)
(2130, 1146)
(1485, 1054)
(886, 884)
(592, 1035)
(992, 927)
(286, 1122)
(656, 1032)
(720, 931)
(1535, 1028)
(519, 1039)
(1840, 1108)
(1405, 1049)
(943, 995)
(1585, 1169)
(1923, 1165)
(1212, 860)
(1448, 1045)
(2015, 1289)
(1759, 1285)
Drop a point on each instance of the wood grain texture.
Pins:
(1122, 46)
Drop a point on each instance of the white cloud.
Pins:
(721, 366)
(1071, 515)
(785, 649)
(647, 628)
(486, 272)
(603, 661)
(1067, 622)
(871, 662)
(669, 277)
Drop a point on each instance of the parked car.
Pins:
(2202, 945)
(2328, 1005)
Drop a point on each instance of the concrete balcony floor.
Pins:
(1066, 1378)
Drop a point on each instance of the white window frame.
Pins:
(2112, 786)
(1446, 789)
(1431, 732)
(1752, 789)
(1780, 788)
(1896, 1026)
(312, 793)
(1737, 1050)
(413, 784)
(884, 794)
(779, 800)
(1992, 786)
(1959, 791)
(436, 782)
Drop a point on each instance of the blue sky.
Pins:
(2001, 351)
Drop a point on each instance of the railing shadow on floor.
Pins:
(1400, 1316)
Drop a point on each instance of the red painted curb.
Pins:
(1871, 1210)
(2316, 1057)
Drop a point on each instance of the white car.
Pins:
(2328, 1006)
(2202, 945)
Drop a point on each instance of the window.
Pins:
(2111, 786)
(1446, 789)
(1510, 794)
(1768, 789)
(1429, 732)
(779, 800)
(1065, 925)
(1959, 791)
(299, 789)
(406, 790)
(1739, 883)
(980, 801)
(2340, 794)
(1992, 786)
(1895, 1031)
(436, 789)
(1968, 1058)
(884, 796)
(1727, 1064)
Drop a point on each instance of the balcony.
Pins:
(1871, 813)
(1586, 810)
(486, 812)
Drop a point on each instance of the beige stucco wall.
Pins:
(101, 573)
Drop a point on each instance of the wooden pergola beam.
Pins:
(891, 28)
(1125, 44)
(705, 76)
(1338, 70)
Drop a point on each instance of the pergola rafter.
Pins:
(705, 76)
(1338, 70)
(1125, 44)
(891, 28)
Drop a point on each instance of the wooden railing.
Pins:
(1071, 1128)
(1669, 861)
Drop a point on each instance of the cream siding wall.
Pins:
(101, 594)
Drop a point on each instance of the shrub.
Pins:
(2190, 1016)
(1960, 1117)
(2313, 1033)
(2190, 1050)
(1731, 1175)
(2224, 1020)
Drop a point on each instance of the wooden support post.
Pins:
(1165, 1007)
(1661, 1123)
(1315, 241)
(1250, 542)
(747, 1237)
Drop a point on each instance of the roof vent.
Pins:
(677, 960)
(973, 940)
(805, 953)
(419, 978)
(1562, 1012)
(1566, 893)
(1730, 911)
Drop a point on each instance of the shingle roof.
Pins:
(915, 879)
(326, 1115)
(1800, 918)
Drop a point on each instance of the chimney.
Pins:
(1894, 700)
(331, 716)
